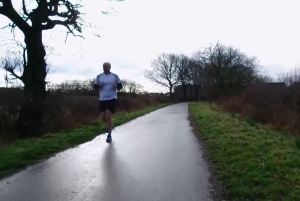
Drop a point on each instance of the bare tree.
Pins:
(11, 63)
(183, 72)
(32, 21)
(227, 70)
(291, 77)
(197, 77)
(164, 72)
(131, 87)
(72, 87)
(263, 79)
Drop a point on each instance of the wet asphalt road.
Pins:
(153, 158)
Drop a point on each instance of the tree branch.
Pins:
(150, 75)
(69, 19)
(10, 67)
(8, 10)
(12, 72)
(52, 23)
(24, 8)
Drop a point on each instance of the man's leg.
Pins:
(109, 111)
(103, 116)
(102, 111)
(109, 120)
(109, 124)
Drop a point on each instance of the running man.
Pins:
(107, 83)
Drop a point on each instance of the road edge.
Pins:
(217, 192)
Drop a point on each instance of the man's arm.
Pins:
(96, 84)
(119, 83)
(119, 86)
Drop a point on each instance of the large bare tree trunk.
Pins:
(31, 119)
(171, 93)
(32, 21)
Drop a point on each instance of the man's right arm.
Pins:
(96, 83)
(119, 83)
(96, 86)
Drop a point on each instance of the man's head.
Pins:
(106, 67)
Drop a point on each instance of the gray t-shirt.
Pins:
(108, 85)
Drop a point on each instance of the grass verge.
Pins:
(253, 162)
(26, 152)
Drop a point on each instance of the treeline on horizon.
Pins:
(226, 75)
(216, 72)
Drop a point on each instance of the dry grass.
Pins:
(276, 106)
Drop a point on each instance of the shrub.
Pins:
(269, 103)
(66, 110)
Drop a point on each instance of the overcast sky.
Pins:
(134, 32)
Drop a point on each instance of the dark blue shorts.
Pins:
(107, 105)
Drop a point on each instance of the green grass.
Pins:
(252, 161)
(26, 152)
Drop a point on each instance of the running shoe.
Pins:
(108, 139)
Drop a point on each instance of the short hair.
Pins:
(106, 63)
